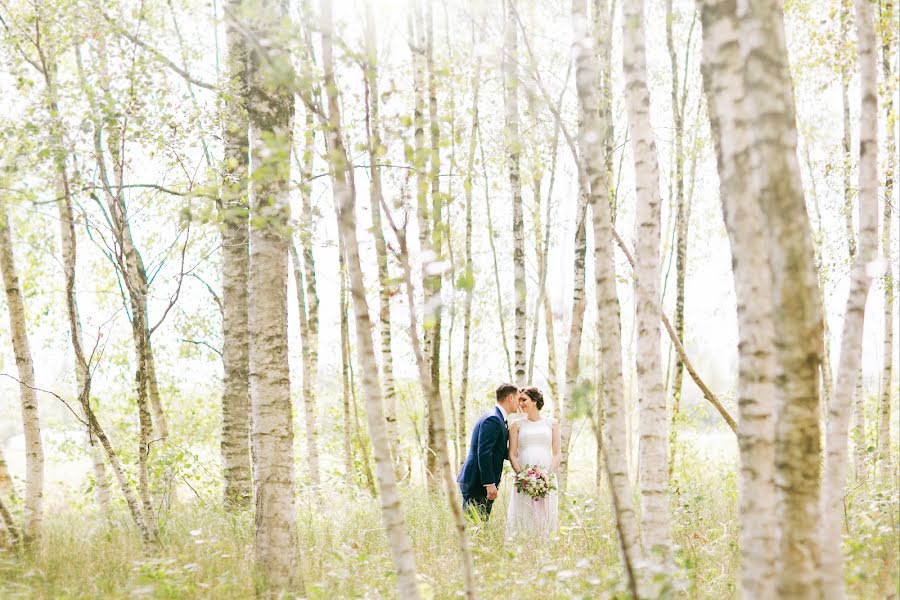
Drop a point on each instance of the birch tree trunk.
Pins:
(129, 264)
(592, 133)
(435, 406)
(888, 21)
(271, 110)
(392, 514)
(309, 376)
(858, 428)
(834, 482)
(235, 443)
(376, 150)
(681, 226)
(48, 67)
(798, 311)
(654, 473)
(347, 402)
(34, 450)
(573, 348)
(434, 306)
(513, 150)
(470, 264)
(722, 67)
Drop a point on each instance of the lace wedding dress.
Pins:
(528, 517)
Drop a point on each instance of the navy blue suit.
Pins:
(488, 449)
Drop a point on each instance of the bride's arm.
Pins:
(514, 447)
(557, 447)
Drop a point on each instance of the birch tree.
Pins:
(235, 445)
(887, 21)
(309, 377)
(768, 157)
(654, 474)
(437, 417)
(270, 108)
(848, 372)
(513, 150)
(375, 151)
(31, 425)
(392, 514)
(591, 137)
(469, 281)
(745, 224)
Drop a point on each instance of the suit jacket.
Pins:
(487, 451)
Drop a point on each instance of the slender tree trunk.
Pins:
(513, 149)
(745, 222)
(344, 195)
(592, 133)
(434, 307)
(847, 166)
(681, 227)
(848, 372)
(12, 536)
(573, 348)
(654, 474)
(470, 264)
(858, 431)
(825, 368)
(309, 378)
(49, 70)
(798, 311)
(376, 150)
(346, 391)
(435, 406)
(498, 288)
(235, 443)
(888, 20)
(271, 113)
(34, 450)
(6, 483)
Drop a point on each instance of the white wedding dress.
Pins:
(528, 517)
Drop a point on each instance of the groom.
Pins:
(480, 475)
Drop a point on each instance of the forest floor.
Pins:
(206, 552)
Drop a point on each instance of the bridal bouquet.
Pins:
(535, 481)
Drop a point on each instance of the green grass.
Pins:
(207, 553)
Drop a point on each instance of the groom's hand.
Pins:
(491, 491)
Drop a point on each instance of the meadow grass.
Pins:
(205, 552)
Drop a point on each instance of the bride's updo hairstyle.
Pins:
(536, 396)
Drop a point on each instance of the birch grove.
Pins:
(426, 299)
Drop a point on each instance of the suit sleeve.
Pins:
(489, 436)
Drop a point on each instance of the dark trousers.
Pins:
(478, 503)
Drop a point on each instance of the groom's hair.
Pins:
(504, 390)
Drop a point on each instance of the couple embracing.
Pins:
(531, 443)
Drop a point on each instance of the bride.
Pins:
(533, 441)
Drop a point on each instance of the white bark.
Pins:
(376, 149)
(436, 409)
(775, 181)
(392, 513)
(654, 476)
(309, 375)
(513, 150)
(34, 450)
(836, 455)
(235, 444)
(592, 134)
(888, 16)
(745, 223)
(271, 110)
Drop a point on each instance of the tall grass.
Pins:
(205, 552)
